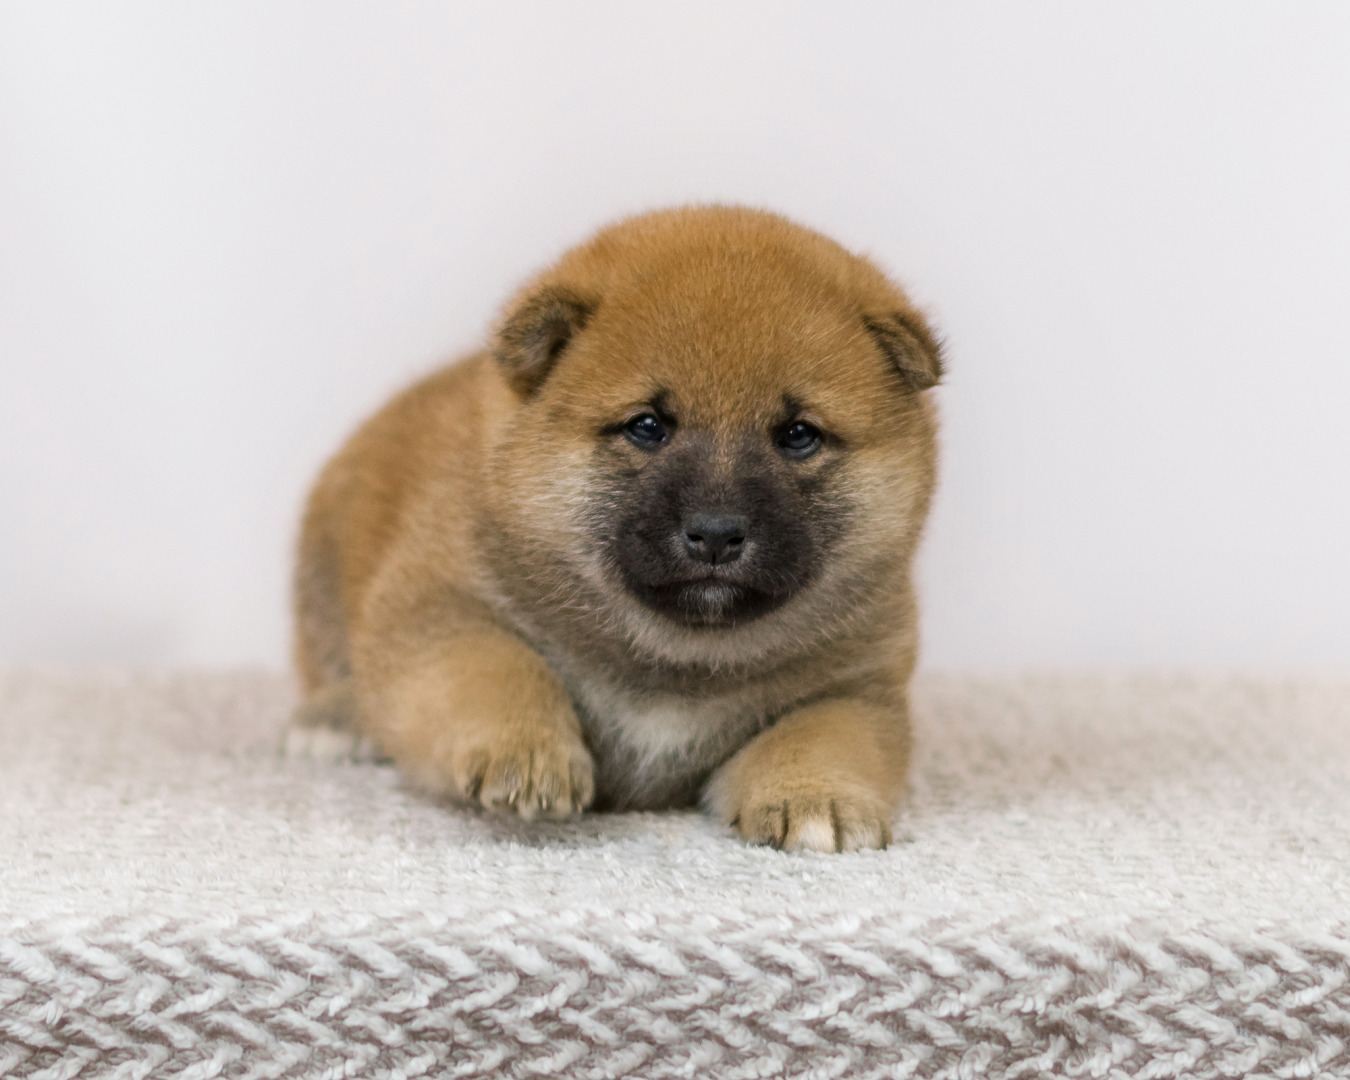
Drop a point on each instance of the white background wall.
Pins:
(227, 230)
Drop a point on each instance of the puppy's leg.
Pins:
(824, 778)
(325, 725)
(479, 715)
(320, 645)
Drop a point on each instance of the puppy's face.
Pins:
(715, 523)
(721, 444)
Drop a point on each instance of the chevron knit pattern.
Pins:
(1093, 877)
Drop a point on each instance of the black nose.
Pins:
(714, 538)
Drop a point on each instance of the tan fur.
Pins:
(450, 590)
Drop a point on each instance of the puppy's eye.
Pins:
(646, 431)
(799, 440)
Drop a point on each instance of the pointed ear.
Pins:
(537, 331)
(910, 347)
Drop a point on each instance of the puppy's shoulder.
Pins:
(412, 433)
(419, 455)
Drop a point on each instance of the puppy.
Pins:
(651, 547)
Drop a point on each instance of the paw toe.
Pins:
(546, 781)
(812, 823)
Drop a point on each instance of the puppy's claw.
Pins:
(814, 823)
(551, 779)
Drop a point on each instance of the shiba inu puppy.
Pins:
(651, 547)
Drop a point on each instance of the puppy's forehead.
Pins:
(727, 334)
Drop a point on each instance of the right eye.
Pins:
(646, 431)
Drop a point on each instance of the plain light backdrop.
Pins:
(229, 230)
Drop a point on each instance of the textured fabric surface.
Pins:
(1093, 876)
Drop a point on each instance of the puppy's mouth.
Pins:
(708, 601)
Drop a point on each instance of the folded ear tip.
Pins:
(537, 331)
(911, 346)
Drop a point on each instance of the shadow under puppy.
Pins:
(652, 547)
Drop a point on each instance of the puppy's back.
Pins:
(360, 505)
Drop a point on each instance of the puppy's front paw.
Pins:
(487, 721)
(531, 773)
(823, 778)
(812, 822)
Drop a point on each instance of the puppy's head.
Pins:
(719, 442)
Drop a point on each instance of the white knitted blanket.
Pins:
(1093, 877)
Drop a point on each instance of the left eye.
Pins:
(799, 439)
(646, 431)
